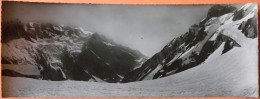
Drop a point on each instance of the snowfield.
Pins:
(221, 77)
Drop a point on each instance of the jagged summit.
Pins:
(216, 11)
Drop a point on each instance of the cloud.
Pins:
(146, 28)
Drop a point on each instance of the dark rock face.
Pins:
(249, 27)
(239, 14)
(106, 60)
(95, 66)
(47, 71)
(229, 43)
(216, 11)
(71, 68)
(12, 30)
(121, 59)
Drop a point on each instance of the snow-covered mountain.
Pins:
(225, 28)
(60, 52)
(233, 74)
(218, 57)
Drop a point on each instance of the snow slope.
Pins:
(222, 77)
(216, 35)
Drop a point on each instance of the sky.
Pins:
(147, 28)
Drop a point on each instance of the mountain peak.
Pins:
(216, 11)
(200, 42)
(70, 53)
